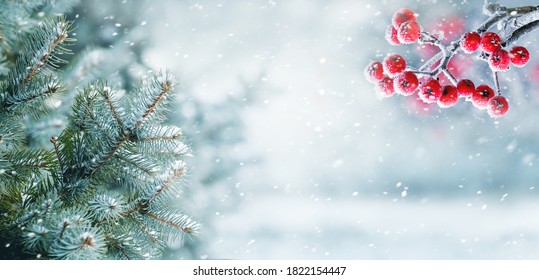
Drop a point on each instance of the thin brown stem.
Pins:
(106, 95)
(136, 165)
(54, 142)
(114, 243)
(48, 91)
(163, 138)
(168, 183)
(164, 221)
(145, 230)
(110, 154)
(165, 88)
(43, 61)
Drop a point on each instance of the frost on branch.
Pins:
(434, 81)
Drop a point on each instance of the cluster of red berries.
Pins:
(491, 45)
(403, 29)
(392, 76)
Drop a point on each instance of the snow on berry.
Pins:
(385, 87)
(391, 36)
(497, 106)
(490, 42)
(430, 91)
(402, 16)
(394, 64)
(374, 72)
(519, 56)
(499, 60)
(450, 97)
(409, 32)
(470, 42)
(481, 96)
(465, 87)
(406, 83)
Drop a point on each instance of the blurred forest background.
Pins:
(295, 156)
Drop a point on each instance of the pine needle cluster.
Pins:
(103, 187)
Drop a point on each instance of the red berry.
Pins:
(406, 83)
(430, 91)
(497, 106)
(391, 36)
(394, 64)
(470, 42)
(449, 97)
(519, 56)
(374, 72)
(490, 42)
(499, 60)
(481, 96)
(385, 87)
(465, 87)
(409, 32)
(402, 16)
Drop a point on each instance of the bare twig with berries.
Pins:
(392, 75)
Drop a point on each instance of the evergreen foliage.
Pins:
(102, 187)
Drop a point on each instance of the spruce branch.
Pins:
(42, 49)
(31, 96)
(111, 151)
(150, 234)
(54, 141)
(176, 173)
(164, 133)
(106, 95)
(114, 243)
(166, 88)
(164, 221)
(102, 187)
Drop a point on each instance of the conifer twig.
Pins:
(54, 142)
(106, 95)
(166, 87)
(57, 40)
(177, 173)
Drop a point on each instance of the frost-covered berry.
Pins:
(490, 42)
(481, 96)
(385, 87)
(470, 42)
(519, 56)
(391, 36)
(465, 87)
(409, 32)
(430, 91)
(401, 16)
(499, 60)
(374, 72)
(406, 83)
(497, 106)
(450, 97)
(394, 64)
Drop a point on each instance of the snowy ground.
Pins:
(277, 227)
(340, 173)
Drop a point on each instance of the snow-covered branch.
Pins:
(503, 27)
